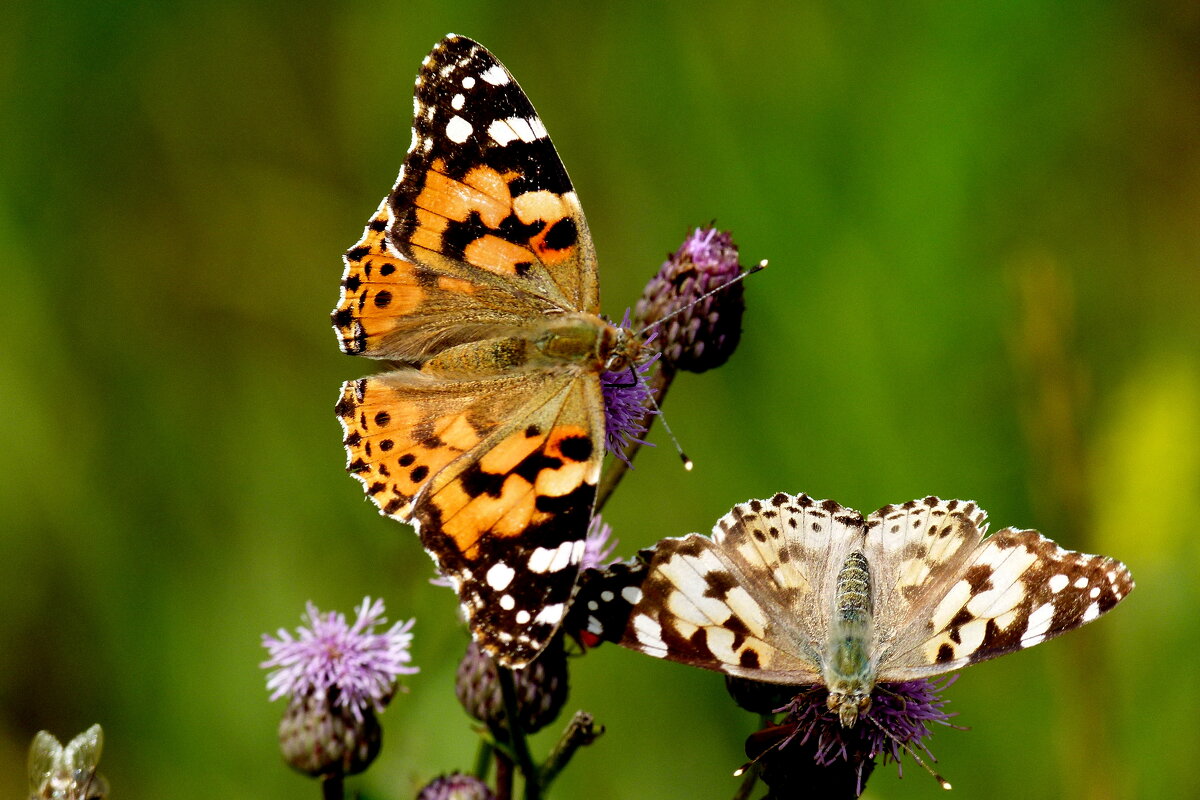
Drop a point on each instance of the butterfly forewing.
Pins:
(394, 308)
(483, 189)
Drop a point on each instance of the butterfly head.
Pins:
(849, 705)
(622, 348)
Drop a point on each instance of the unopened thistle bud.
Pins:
(456, 786)
(705, 334)
(541, 688)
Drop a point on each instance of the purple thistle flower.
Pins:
(597, 548)
(351, 664)
(898, 719)
(626, 402)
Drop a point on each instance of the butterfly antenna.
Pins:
(945, 784)
(740, 276)
(687, 462)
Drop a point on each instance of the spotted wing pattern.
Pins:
(756, 598)
(493, 455)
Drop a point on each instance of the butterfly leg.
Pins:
(633, 381)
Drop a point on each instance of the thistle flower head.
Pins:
(456, 786)
(812, 735)
(626, 402)
(703, 333)
(330, 660)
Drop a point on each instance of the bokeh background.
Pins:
(983, 222)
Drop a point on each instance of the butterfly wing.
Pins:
(494, 459)
(499, 477)
(951, 598)
(394, 308)
(754, 600)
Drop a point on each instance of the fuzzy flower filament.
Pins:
(329, 659)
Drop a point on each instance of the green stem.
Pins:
(333, 787)
(483, 759)
(520, 746)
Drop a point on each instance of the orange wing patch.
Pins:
(378, 289)
(392, 444)
(499, 495)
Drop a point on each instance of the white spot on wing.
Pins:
(563, 556)
(607, 596)
(1058, 583)
(522, 128)
(540, 558)
(458, 130)
(495, 75)
(507, 602)
(457, 102)
(501, 133)
(720, 642)
(522, 617)
(1081, 582)
(1091, 612)
(500, 576)
(1039, 623)
(631, 595)
(747, 610)
(468, 82)
(649, 635)
(951, 604)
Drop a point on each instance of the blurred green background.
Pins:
(983, 222)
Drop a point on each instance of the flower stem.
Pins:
(504, 775)
(520, 746)
(333, 787)
(483, 759)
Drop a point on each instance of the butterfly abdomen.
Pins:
(849, 673)
(854, 589)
